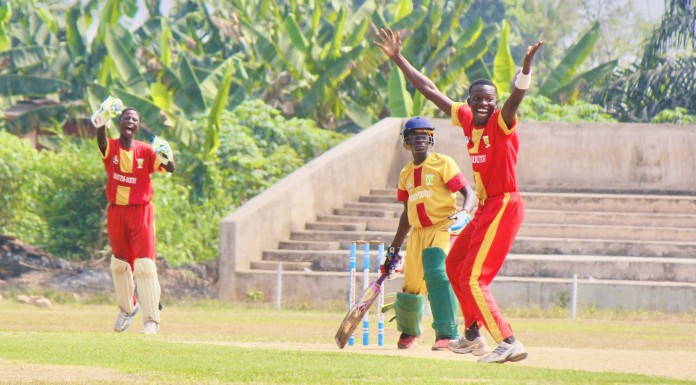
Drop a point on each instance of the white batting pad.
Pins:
(148, 288)
(123, 283)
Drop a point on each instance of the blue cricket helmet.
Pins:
(418, 124)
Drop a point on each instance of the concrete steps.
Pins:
(635, 244)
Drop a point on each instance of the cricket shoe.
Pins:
(406, 341)
(476, 347)
(443, 344)
(124, 319)
(151, 327)
(506, 352)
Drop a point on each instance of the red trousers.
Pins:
(478, 254)
(131, 231)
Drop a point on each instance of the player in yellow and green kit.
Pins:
(427, 187)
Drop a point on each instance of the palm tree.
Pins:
(665, 77)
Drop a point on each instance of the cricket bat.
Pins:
(356, 313)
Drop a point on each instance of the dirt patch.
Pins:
(679, 365)
(25, 268)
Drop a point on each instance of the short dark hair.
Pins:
(129, 109)
(482, 82)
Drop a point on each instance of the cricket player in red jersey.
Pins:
(480, 250)
(130, 218)
(427, 187)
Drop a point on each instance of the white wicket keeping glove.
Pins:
(111, 107)
(161, 147)
(461, 219)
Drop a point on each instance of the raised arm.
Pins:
(390, 43)
(102, 139)
(520, 85)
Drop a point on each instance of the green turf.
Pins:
(212, 344)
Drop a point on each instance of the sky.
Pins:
(650, 9)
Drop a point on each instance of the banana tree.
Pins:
(317, 55)
(563, 84)
(446, 52)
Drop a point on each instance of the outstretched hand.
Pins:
(389, 41)
(529, 56)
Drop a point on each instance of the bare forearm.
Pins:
(169, 167)
(102, 139)
(470, 199)
(423, 84)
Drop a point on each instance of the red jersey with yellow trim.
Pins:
(430, 189)
(492, 150)
(128, 172)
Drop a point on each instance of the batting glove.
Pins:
(161, 147)
(461, 219)
(393, 263)
(110, 108)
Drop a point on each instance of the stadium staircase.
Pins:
(628, 251)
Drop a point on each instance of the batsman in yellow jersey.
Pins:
(427, 187)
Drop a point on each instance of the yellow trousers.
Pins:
(418, 240)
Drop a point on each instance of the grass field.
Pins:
(212, 343)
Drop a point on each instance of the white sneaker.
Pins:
(151, 327)
(123, 319)
(506, 352)
(476, 347)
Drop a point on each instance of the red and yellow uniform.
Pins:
(429, 190)
(130, 218)
(480, 250)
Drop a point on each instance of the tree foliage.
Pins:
(55, 199)
(664, 78)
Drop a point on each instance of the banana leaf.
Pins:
(478, 70)
(469, 55)
(357, 113)
(121, 52)
(189, 98)
(30, 85)
(400, 101)
(570, 91)
(73, 36)
(27, 56)
(212, 134)
(166, 39)
(36, 118)
(566, 69)
(210, 85)
(503, 64)
(293, 30)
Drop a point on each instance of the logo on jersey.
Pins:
(409, 186)
(466, 140)
(429, 179)
(419, 195)
(116, 160)
(140, 162)
(485, 141)
(125, 179)
(477, 159)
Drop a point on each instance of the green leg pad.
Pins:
(443, 302)
(409, 313)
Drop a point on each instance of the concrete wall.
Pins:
(553, 156)
(594, 156)
(338, 176)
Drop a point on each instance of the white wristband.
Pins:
(523, 80)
